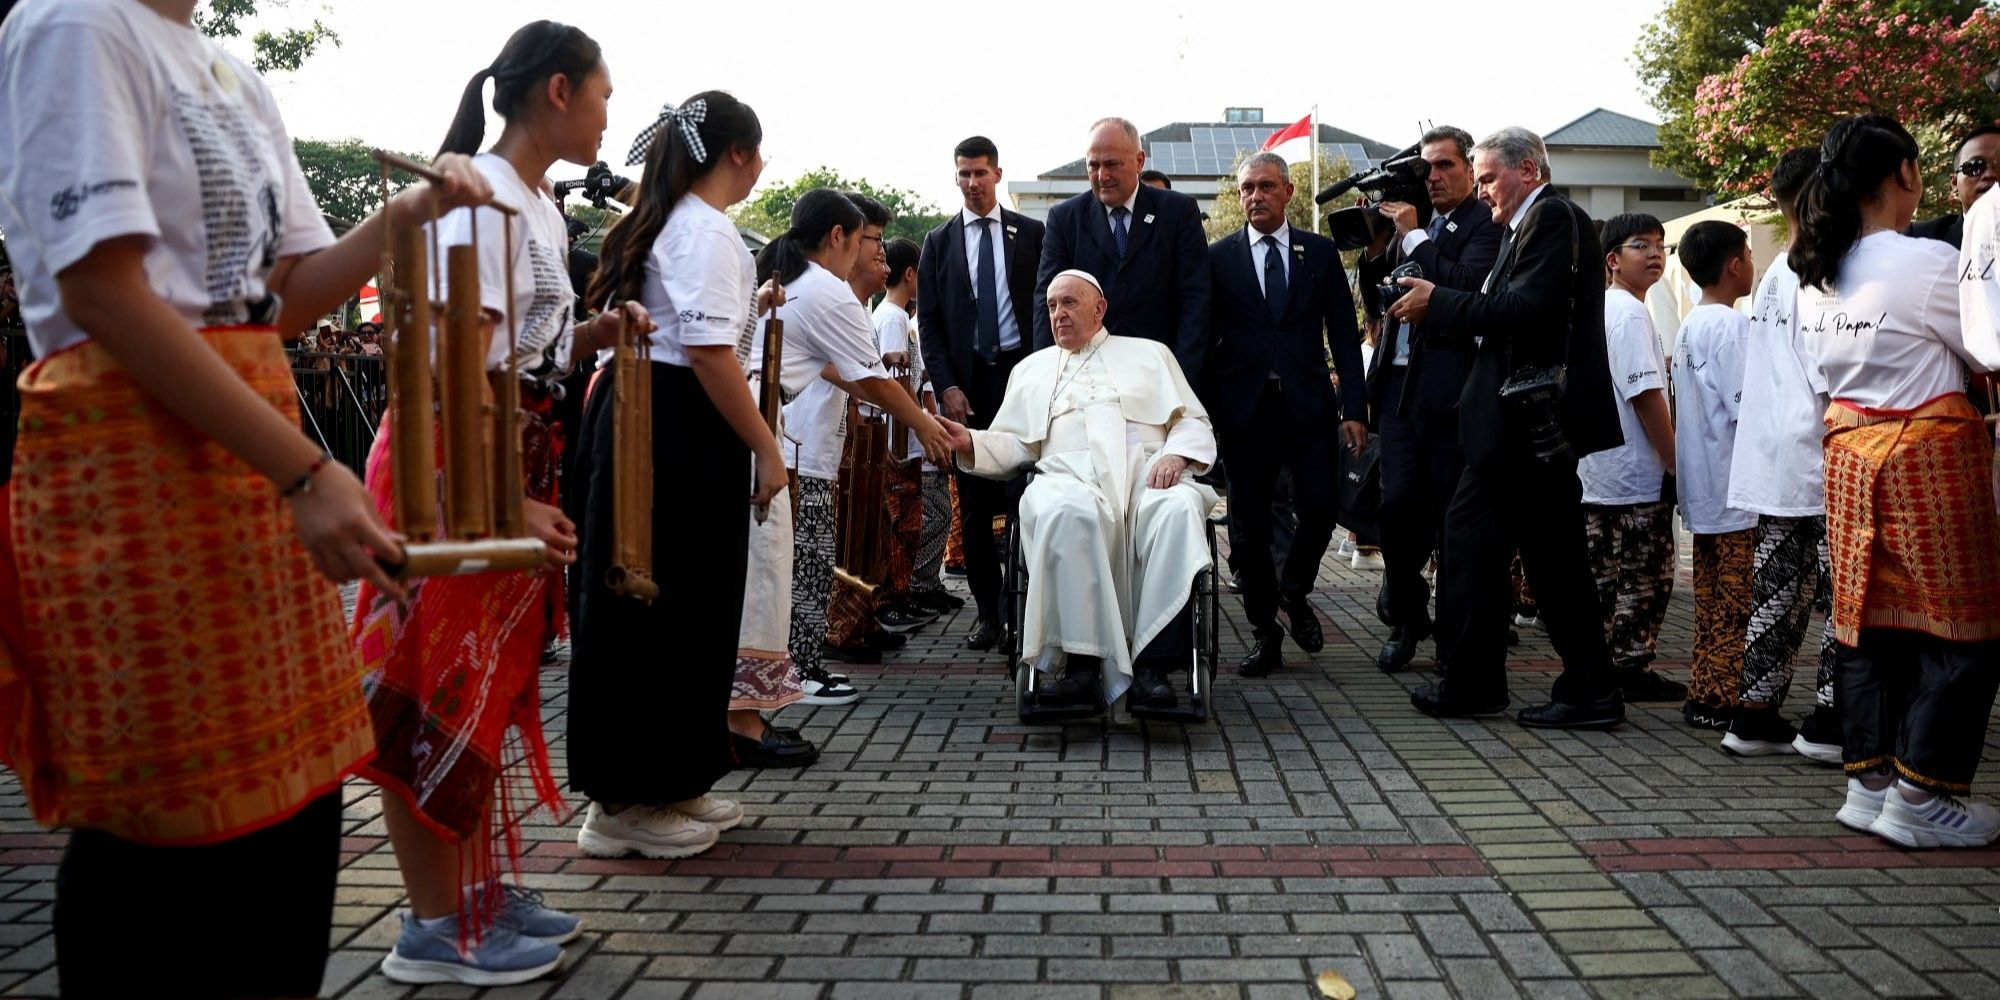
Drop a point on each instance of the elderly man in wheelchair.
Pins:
(1113, 527)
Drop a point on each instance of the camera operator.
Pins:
(1541, 310)
(1414, 382)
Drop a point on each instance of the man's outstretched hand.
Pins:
(955, 433)
(1167, 471)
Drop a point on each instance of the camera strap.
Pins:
(1575, 250)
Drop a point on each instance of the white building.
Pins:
(1197, 156)
(1602, 161)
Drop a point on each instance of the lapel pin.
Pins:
(1011, 230)
(1450, 226)
(1298, 248)
(1149, 218)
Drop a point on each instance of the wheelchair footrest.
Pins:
(1185, 710)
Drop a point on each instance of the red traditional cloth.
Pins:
(173, 670)
(1911, 529)
(452, 671)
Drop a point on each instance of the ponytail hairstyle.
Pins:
(532, 55)
(672, 167)
(1858, 155)
(814, 217)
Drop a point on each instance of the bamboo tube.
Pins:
(414, 447)
(455, 558)
(462, 377)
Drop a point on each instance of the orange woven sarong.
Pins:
(179, 673)
(1910, 522)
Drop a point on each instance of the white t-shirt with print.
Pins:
(892, 335)
(115, 121)
(1708, 395)
(544, 300)
(1630, 473)
(701, 286)
(1887, 334)
(824, 324)
(1778, 465)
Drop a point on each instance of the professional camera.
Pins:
(1399, 178)
(1529, 397)
(598, 185)
(1391, 288)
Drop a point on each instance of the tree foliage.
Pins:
(271, 51)
(1227, 215)
(345, 179)
(1845, 57)
(1686, 43)
(769, 212)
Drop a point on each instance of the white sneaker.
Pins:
(1346, 548)
(1368, 559)
(1944, 821)
(1825, 753)
(822, 689)
(1528, 621)
(644, 830)
(1862, 806)
(713, 810)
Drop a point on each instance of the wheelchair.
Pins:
(1203, 615)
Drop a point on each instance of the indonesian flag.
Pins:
(1293, 142)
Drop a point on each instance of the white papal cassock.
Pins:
(1110, 560)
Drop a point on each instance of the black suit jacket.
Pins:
(1545, 305)
(947, 320)
(1158, 291)
(1949, 228)
(1249, 342)
(1461, 257)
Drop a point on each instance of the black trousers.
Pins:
(1284, 524)
(981, 500)
(1420, 465)
(1918, 703)
(649, 683)
(247, 917)
(1513, 501)
(1256, 453)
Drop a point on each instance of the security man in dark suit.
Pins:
(976, 306)
(1975, 169)
(1522, 430)
(1143, 244)
(1280, 302)
(1414, 382)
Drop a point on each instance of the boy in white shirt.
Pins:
(1628, 515)
(1708, 392)
(1778, 473)
(901, 607)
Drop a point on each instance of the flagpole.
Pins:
(1312, 152)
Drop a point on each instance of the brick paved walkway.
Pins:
(941, 849)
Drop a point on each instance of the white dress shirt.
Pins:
(1010, 328)
(1258, 250)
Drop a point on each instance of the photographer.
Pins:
(1541, 312)
(1414, 383)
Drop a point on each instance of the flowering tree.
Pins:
(1846, 57)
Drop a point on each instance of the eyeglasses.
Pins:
(1643, 247)
(1975, 167)
(865, 236)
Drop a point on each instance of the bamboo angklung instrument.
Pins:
(862, 556)
(770, 393)
(481, 441)
(899, 437)
(631, 572)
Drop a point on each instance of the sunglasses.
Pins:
(1974, 167)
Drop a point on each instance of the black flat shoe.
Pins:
(1305, 625)
(1603, 713)
(1640, 684)
(1077, 686)
(850, 654)
(938, 602)
(778, 748)
(984, 635)
(1151, 690)
(1266, 655)
(1440, 701)
(1400, 649)
(885, 640)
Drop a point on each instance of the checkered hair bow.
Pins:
(689, 117)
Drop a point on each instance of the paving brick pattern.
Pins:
(940, 849)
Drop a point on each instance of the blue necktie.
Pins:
(1119, 234)
(986, 301)
(1274, 275)
(1437, 225)
(1403, 342)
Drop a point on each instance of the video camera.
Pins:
(1399, 178)
(598, 185)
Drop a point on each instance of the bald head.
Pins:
(1076, 310)
(1114, 160)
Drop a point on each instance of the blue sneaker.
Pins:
(503, 956)
(525, 913)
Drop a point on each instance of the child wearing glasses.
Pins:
(1627, 493)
